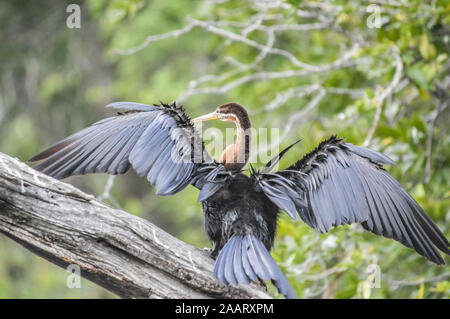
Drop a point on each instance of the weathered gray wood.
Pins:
(123, 253)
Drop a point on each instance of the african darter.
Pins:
(338, 183)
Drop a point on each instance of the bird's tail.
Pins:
(244, 259)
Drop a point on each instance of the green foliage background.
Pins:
(55, 81)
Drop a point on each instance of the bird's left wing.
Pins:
(158, 141)
(339, 183)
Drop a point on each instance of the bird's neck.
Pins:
(236, 156)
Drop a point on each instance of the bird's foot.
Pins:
(263, 285)
(211, 252)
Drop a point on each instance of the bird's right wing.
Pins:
(158, 141)
(339, 183)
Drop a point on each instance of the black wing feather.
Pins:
(339, 183)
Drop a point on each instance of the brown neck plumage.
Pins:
(236, 156)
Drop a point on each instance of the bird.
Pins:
(335, 184)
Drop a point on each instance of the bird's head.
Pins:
(229, 112)
(235, 156)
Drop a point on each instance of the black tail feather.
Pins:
(244, 259)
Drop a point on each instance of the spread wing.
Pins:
(158, 141)
(339, 183)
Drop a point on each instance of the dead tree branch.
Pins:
(121, 252)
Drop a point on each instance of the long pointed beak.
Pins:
(206, 117)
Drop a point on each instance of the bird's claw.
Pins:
(211, 252)
(208, 250)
